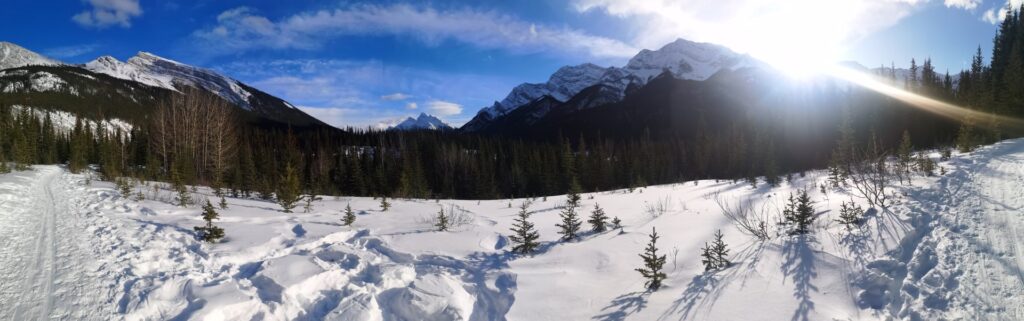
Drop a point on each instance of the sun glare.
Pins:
(802, 38)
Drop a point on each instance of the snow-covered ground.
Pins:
(948, 249)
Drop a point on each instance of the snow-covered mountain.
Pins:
(157, 71)
(145, 77)
(13, 56)
(422, 122)
(682, 58)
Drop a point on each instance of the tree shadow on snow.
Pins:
(623, 306)
(798, 265)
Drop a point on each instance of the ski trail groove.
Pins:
(46, 263)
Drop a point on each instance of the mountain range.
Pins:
(682, 59)
(139, 81)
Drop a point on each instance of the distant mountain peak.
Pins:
(13, 56)
(422, 122)
(683, 59)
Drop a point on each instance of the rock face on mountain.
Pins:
(682, 59)
(143, 79)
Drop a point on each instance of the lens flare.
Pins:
(935, 106)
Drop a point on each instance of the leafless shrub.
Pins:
(659, 207)
(456, 215)
(871, 177)
(746, 218)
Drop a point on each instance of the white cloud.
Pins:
(444, 108)
(995, 16)
(411, 106)
(962, 4)
(70, 51)
(766, 29)
(395, 97)
(106, 13)
(242, 29)
(356, 87)
(991, 16)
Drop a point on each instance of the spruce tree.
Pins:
(799, 213)
(384, 204)
(209, 233)
(350, 216)
(523, 234)
(223, 202)
(288, 189)
(617, 222)
(714, 255)
(570, 225)
(652, 264)
(441, 222)
(850, 215)
(598, 220)
(184, 197)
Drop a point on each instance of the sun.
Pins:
(801, 39)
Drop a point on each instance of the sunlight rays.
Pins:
(916, 100)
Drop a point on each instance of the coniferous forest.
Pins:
(709, 130)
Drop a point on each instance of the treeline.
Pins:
(703, 130)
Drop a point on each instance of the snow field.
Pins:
(947, 249)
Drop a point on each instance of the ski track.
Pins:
(962, 260)
(46, 275)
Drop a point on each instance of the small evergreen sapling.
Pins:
(350, 216)
(616, 222)
(523, 234)
(441, 222)
(209, 233)
(714, 256)
(598, 219)
(288, 190)
(570, 225)
(850, 215)
(223, 202)
(652, 264)
(384, 205)
(799, 213)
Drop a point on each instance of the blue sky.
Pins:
(360, 63)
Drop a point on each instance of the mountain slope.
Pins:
(683, 59)
(12, 56)
(106, 85)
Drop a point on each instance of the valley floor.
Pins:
(949, 248)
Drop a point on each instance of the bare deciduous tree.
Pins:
(196, 127)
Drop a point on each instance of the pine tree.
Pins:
(850, 214)
(598, 219)
(799, 213)
(570, 225)
(223, 202)
(184, 197)
(652, 264)
(350, 216)
(714, 256)
(384, 204)
(288, 189)
(441, 221)
(617, 222)
(209, 233)
(925, 164)
(523, 234)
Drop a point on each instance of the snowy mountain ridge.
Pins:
(422, 122)
(684, 59)
(13, 56)
(161, 72)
